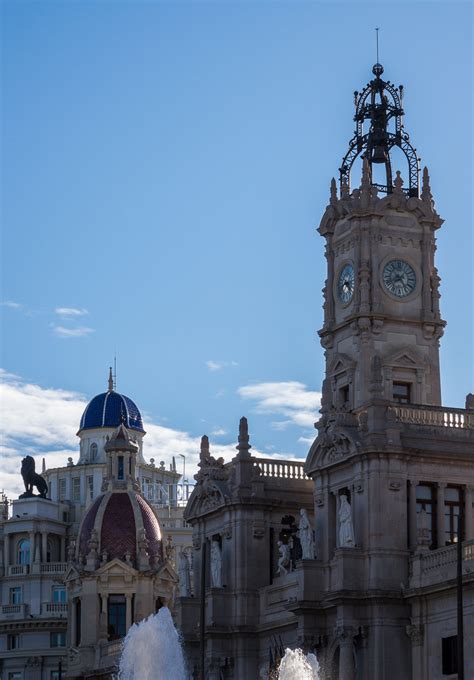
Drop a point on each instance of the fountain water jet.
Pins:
(296, 666)
(152, 650)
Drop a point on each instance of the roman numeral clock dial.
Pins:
(346, 284)
(399, 278)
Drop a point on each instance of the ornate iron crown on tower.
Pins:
(380, 103)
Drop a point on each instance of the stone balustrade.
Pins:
(18, 569)
(13, 611)
(53, 567)
(438, 566)
(113, 648)
(435, 416)
(54, 608)
(283, 469)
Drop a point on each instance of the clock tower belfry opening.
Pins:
(382, 322)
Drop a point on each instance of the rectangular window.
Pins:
(402, 392)
(90, 487)
(450, 654)
(453, 498)
(116, 616)
(59, 595)
(13, 641)
(16, 595)
(57, 639)
(425, 500)
(76, 488)
(15, 675)
(344, 395)
(62, 489)
(55, 676)
(120, 470)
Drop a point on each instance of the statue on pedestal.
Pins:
(306, 535)
(216, 565)
(184, 575)
(346, 530)
(32, 479)
(284, 559)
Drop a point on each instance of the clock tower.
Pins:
(382, 322)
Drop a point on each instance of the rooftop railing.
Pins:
(438, 416)
(282, 469)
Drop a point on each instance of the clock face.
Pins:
(399, 278)
(346, 284)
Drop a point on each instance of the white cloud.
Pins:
(214, 365)
(218, 432)
(79, 332)
(70, 311)
(43, 422)
(293, 400)
(12, 305)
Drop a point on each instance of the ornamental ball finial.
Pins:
(377, 70)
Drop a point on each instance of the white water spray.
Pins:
(152, 650)
(296, 666)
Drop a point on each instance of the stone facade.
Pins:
(384, 483)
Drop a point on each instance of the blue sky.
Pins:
(164, 168)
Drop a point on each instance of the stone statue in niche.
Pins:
(184, 575)
(306, 535)
(284, 559)
(216, 565)
(346, 529)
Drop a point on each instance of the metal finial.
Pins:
(379, 128)
(377, 39)
(111, 380)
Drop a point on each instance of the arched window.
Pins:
(24, 551)
(93, 453)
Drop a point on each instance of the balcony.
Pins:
(11, 612)
(439, 566)
(18, 569)
(55, 609)
(53, 567)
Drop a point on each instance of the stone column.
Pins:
(128, 612)
(32, 547)
(103, 622)
(440, 514)
(6, 552)
(330, 282)
(44, 546)
(73, 623)
(468, 519)
(62, 554)
(412, 516)
(346, 654)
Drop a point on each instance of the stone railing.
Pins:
(13, 611)
(437, 566)
(113, 648)
(283, 469)
(54, 608)
(18, 569)
(435, 415)
(53, 567)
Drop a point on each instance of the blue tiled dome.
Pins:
(109, 409)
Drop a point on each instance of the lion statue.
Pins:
(32, 478)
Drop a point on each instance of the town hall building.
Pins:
(352, 555)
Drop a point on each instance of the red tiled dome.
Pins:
(115, 515)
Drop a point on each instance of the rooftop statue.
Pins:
(32, 479)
